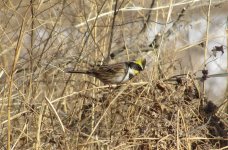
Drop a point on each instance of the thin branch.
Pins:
(206, 43)
(148, 17)
(127, 9)
(111, 34)
(11, 77)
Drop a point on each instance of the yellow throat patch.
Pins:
(135, 72)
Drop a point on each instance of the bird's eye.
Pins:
(135, 66)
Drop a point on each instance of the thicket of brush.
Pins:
(42, 107)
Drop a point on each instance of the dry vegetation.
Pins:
(42, 107)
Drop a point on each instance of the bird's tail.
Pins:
(71, 70)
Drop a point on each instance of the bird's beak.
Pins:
(143, 63)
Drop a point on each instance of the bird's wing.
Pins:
(113, 68)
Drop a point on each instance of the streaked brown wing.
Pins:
(113, 68)
(107, 73)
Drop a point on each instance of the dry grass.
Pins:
(136, 116)
(42, 107)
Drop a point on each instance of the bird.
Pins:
(114, 73)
